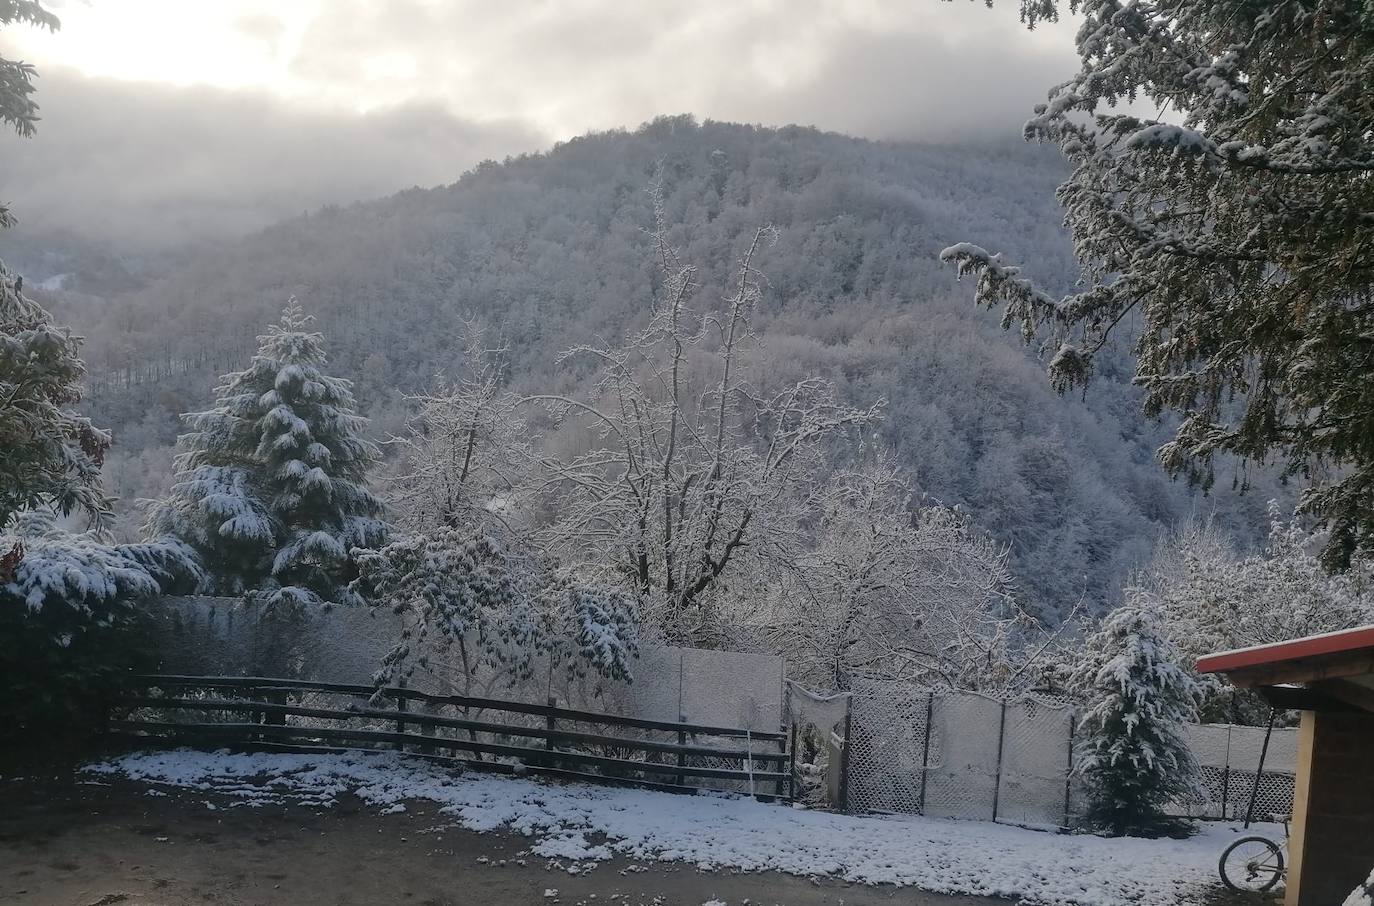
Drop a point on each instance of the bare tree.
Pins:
(689, 465)
(890, 593)
(465, 455)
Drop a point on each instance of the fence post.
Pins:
(256, 717)
(400, 721)
(1068, 773)
(428, 709)
(549, 724)
(1001, 739)
(681, 756)
(925, 751)
(844, 754)
(791, 767)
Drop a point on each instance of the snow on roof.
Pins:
(1327, 643)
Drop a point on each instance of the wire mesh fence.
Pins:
(1229, 757)
(963, 755)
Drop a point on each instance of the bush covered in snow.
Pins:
(460, 590)
(68, 627)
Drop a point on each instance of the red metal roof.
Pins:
(1313, 646)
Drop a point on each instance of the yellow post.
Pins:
(1298, 821)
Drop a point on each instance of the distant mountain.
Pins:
(550, 250)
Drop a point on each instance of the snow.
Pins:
(720, 831)
(1362, 895)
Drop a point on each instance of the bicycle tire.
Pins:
(1275, 870)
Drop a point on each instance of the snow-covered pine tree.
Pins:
(1228, 232)
(271, 483)
(1132, 753)
(69, 632)
(52, 456)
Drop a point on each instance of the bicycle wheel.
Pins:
(1251, 863)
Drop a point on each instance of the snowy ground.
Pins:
(584, 823)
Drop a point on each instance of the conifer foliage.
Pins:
(1231, 231)
(271, 484)
(1132, 754)
(52, 456)
(17, 108)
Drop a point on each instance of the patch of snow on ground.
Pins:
(719, 831)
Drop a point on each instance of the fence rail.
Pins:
(499, 735)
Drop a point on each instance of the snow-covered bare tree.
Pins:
(1132, 753)
(467, 450)
(1230, 232)
(889, 593)
(271, 484)
(1212, 598)
(461, 591)
(689, 464)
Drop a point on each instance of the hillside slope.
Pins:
(550, 250)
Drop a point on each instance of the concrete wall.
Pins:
(226, 636)
(1332, 846)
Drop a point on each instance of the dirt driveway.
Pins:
(112, 843)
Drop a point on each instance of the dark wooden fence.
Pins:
(491, 734)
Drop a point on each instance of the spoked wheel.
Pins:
(1252, 863)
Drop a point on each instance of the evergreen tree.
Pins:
(1232, 232)
(1132, 752)
(52, 456)
(271, 483)
(17, 108)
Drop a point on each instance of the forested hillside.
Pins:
(551, 250)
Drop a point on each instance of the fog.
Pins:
(143, 164)
(170, 122)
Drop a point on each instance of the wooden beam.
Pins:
(1302, 783)
(1301, 698)
(1333, 666)
(1361, 697)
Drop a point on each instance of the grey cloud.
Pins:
(910, 87)
(150, 164)
(923, 70)
(480, 79)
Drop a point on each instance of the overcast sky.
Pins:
(169, 118)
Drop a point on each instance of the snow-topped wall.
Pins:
(211, 636)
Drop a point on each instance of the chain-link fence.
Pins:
(1229, 757)
(963, 755)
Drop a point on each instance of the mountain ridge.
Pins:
(550, 249)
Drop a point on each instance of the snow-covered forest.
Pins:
(552, 250)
